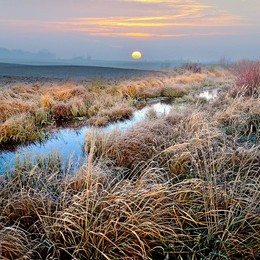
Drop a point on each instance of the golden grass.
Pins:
(15, 243)
(183, 186)
(67, 92)
(176, 187)
(103, 101)
(19, 129)
(118, 112)
(240, 117)
(10, 108)
(47, 102)
(98, 120)
(139, 144)
(190, 78)
(151, 88)
(201, 151)
(78, 107)
(175, 91)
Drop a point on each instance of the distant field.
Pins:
(68, 72)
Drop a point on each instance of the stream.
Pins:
(69, 142)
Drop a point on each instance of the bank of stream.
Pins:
(69, 142)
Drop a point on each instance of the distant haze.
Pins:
(198, 30)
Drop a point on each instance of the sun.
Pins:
(136, 55)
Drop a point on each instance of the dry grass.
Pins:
(78, 107)
(108, 109)
(193, 67)
(236, 117)
(150, 87)
(139, 144)
(19, 129)
(247, 78)
(47, 102)
(223, 173)
(103, 101)
(98, 121)
(67, 91)
(118, 112)
(242, 116)
(15, 243)
(190, 78)
(184, 186)
(175, 91)
(10, 108)
(176, 187)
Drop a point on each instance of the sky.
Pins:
(197, 30)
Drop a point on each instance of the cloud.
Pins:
(180, 20)
(170, 18)
(161, 1)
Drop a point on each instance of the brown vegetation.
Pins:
(247, 78)
(182, 186)
(104, 102)
(177, 187)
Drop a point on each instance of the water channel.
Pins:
(69, 142)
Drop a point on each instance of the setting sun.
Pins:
(136, 55)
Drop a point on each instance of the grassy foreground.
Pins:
(182, 186)
(185, 186)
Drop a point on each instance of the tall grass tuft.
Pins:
(19, 129)
(247, 78)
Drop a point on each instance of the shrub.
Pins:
(247, 78)
(193, 67)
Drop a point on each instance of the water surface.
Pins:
(69, 143)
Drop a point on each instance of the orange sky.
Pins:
(110, 29)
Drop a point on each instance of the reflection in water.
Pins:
(69, 143)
